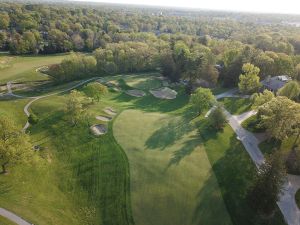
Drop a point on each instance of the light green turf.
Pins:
(144, 82)
(169, 169)
(23, 68)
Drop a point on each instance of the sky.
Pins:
(266, 6)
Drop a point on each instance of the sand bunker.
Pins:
(110, 111)
(42, 69)
(136, 93)
(164, 93)
(103, 118)
(98, 129)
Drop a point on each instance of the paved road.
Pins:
(287, 203)
(13, 217)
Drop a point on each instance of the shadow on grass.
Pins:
(186, 150)
(169, 133)
(235, 172)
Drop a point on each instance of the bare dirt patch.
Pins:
(136, 93)
(103, 118)
(98, 129)
(110, 111)
(164, 93)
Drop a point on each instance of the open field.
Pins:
(163, 151)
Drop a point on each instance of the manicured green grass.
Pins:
(234, 171)
(4, 221)
(145, 82)
(171, 177)
(23, 68)
(236, 105)
(298, 198)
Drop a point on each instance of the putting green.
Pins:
(172, 182)
(143, 82)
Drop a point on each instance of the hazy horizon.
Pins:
(255, 6)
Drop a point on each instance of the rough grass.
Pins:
(4, 221)
(236, 106)
(23, 68)
(234, 171)
(171, 177)
(13, 108)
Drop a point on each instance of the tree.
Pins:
(4, 21)
(290, 90)
(279, 116)
(74, 107)
(95, 90)
(217, 118)
(249, 80)
(15, 147)
(202, 99)
(262, 98)
(268, 185)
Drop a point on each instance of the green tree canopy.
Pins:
(290, 90)
(280, 116)
(15, 146)
(249, 80)
(268, 184)
(95, 90)
(202, 99)
(262, 98)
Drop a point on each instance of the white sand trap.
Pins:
(42, 69)
(103, 118)
(164, 93)
(110, 111)
(136, 93)
(98, 129)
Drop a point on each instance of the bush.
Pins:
(217, 118)
(33, 119)
(253, 124)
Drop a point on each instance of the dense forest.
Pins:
(195, 45)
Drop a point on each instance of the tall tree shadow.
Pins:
(186, 150)
(169, 133)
